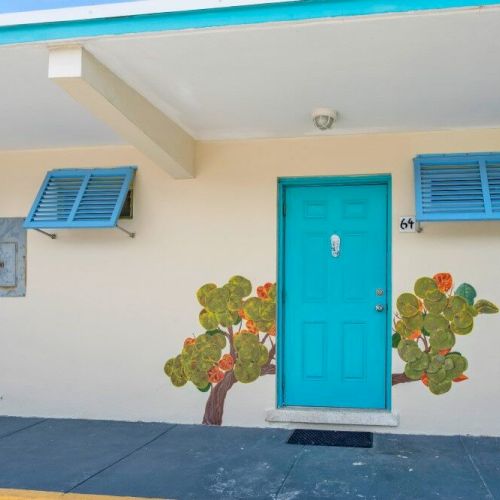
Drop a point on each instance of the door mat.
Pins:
(331, 438)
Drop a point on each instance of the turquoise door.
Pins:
(335, 285)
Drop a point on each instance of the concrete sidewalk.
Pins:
(197, 462)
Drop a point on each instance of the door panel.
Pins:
(335, 342)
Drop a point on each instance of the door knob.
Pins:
(379, 308)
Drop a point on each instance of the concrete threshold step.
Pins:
(342, 416)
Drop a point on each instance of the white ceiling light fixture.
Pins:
(324, 118)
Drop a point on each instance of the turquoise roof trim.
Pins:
(255, 14)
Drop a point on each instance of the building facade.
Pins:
(279, 274)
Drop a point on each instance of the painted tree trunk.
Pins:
(214, 408)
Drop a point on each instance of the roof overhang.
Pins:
(431, 70)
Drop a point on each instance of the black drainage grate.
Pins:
(332, 438)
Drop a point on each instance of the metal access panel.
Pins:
(12, 257)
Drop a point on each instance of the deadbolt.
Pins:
(379, 308)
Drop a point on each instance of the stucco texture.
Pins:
(104, 312)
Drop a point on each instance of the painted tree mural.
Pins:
(236, 346)
(426, 327)
(238, 342)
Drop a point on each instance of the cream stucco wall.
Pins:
(103, 312)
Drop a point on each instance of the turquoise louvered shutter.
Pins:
(80, 198)
(457, 187)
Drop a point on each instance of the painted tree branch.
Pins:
(401, 378)
(268, 370)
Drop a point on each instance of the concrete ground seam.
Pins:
(476, 468)
(121, 458)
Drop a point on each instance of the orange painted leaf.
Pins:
(444, 352)
(461, 378)
(215, 375)
(189, 341)
(415, 335)
(251, 327)
(444, 281)
(226, 363)
(425, 379)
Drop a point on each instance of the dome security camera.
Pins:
(324, 118)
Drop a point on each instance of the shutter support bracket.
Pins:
(131, 235)
(52, 236)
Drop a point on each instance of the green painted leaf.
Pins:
(442, 339)
(205, 389)
(439, 375)
(408, 350)
(268, 311)
(246, 372)
(423, 286)
(178, 380)
(463, 319)
(485, 307)
(252, 308)
(455, 364)
(435, 323)
(243, 285)
(413, 373)
(440, 387)
(272, 293)
(216, 300)
(227, 318)
(234, 302)
(421, 363)
(408, 305)
(436, 307)
(466, 291)
(413, 323)
(201, 294)
(434, 296)
(213, 332)
(169, 367)
(208, 320)
(461, 331)
(400, 328)
(435, 364)
(396, 338)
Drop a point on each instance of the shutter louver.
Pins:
(452, 189)
(493, 170)
(80, 198)
(457, 187)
